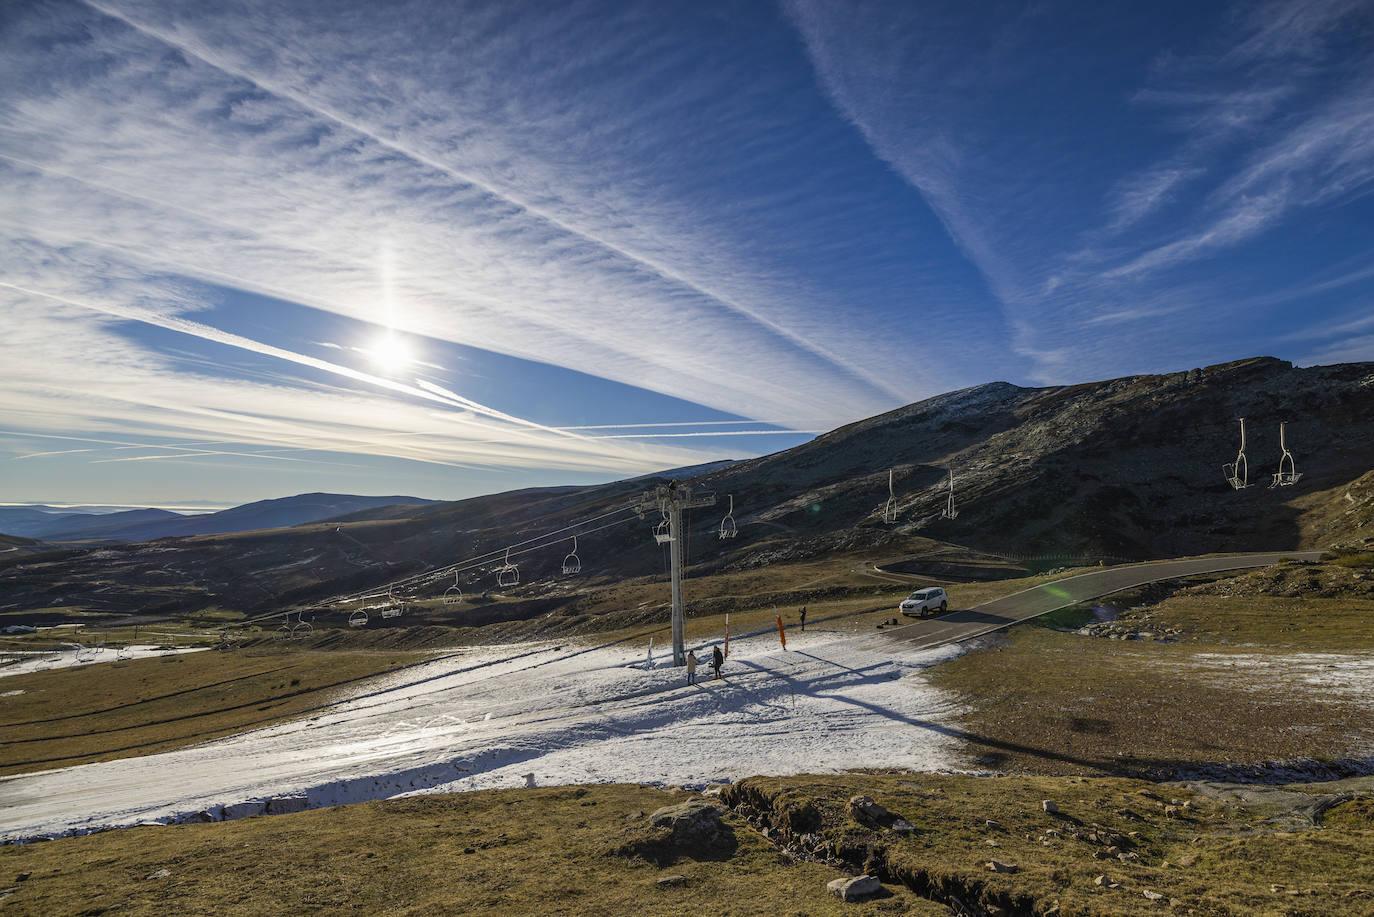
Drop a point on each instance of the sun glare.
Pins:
(390, 353)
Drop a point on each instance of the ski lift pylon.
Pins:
(572, 563)
(727, 525)
(1289, 477)
(1238, 473)
(508, 574)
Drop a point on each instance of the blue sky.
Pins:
(251, 248)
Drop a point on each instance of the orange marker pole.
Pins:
(781, 636)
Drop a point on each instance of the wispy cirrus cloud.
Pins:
(1087, 214)
(379, 168)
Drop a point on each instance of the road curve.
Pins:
(958, 626)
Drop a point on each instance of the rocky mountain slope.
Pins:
(1119, 470)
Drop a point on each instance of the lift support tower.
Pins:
(671, 499)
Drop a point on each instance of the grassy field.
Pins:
(574, 851)
(1239, 686)
(101, 711)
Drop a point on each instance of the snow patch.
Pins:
(569, 714)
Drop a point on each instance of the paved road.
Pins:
(957, 626)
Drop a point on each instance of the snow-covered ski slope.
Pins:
(568, 714)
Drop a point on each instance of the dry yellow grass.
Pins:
(111, 710)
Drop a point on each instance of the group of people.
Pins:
(717, 660)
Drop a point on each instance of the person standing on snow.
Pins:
(717, 660)
(803, 618)
(691, 667)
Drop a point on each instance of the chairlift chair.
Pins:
(572, 563)
(508, 574)
(950, 512)
(303, 628)
(453, 595)
(358, 618)
(392, 607)
(890, 507)
(1238, 473)
(727, 525)
(663, 532)
(1290, 477)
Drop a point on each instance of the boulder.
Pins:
(902, 826)
(865, 811)
(670, 881)
(854, 889)
(692, 822)
(999, 866)
(280, 805)
(160, 874)
(1049, 806)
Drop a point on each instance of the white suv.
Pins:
(923, 601)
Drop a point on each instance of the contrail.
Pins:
(208, 57)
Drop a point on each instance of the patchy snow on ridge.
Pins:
(24, 662)
(1325, 673)
(567, 714)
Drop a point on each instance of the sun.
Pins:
(390, 354)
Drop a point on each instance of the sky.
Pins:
(250, 248)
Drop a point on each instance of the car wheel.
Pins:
(944, 606)
(923, 611)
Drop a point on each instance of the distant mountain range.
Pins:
(55, 525)
(1124, 469)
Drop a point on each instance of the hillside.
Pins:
(1123, 469)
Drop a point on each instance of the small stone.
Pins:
(671, 881)
(991, 843)
(1100, 880)
(993, 826)
(1173, 811)
(999, 866)
(902, 826)
(853, 889)
(1153, 896)
(23, 877)
(160, 874)
(1049, 806)
(469, 850)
